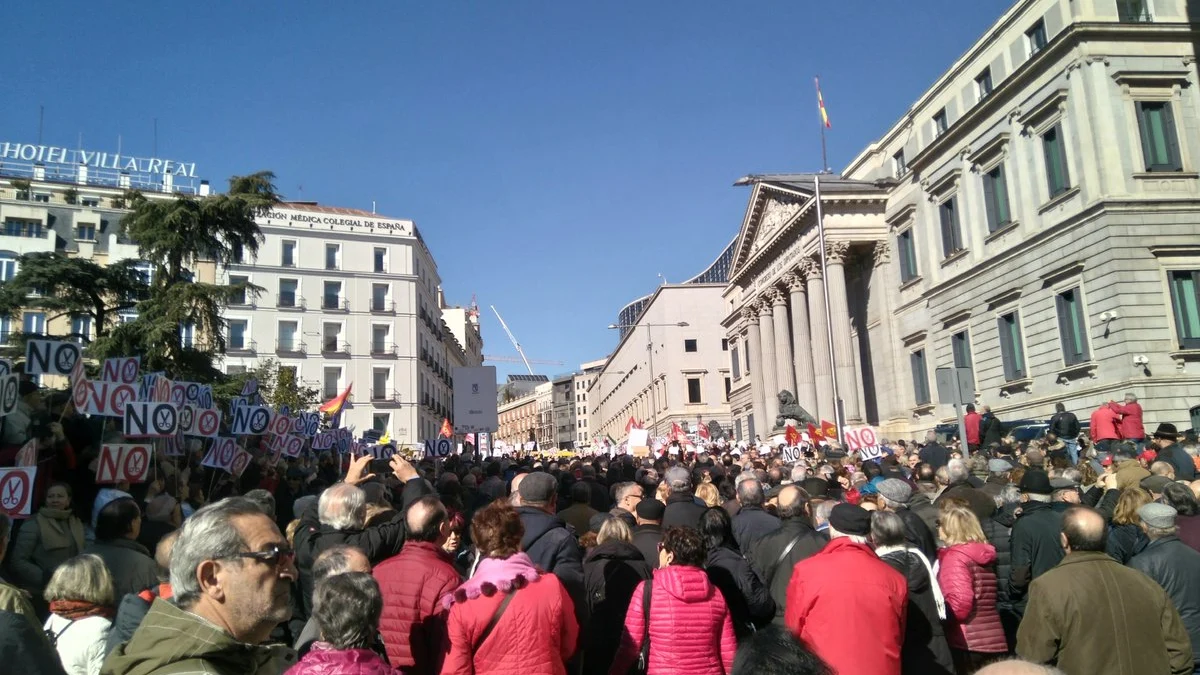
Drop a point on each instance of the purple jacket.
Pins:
(323, 660)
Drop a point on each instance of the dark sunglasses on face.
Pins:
(272, 556)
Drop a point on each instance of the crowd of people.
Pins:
(993, 556)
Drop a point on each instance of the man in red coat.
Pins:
(1130, 427)
(1104, 428)
(847, 604)
(972, 421)
(413, 623)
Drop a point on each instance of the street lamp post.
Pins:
(650, 363)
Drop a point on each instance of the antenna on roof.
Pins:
(41, 121)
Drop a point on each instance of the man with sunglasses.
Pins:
(231, 573)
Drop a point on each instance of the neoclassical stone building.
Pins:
(1034, 216)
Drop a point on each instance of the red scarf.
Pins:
(79, 609)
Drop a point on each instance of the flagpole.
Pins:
(837, 399)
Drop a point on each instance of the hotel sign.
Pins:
(50, 154)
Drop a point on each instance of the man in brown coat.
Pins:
(1090, 614)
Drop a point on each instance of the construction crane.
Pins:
(513, 359)
(513, 339)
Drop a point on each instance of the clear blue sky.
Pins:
(556, 155)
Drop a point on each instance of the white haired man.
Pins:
(231, 572)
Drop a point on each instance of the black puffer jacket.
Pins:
(745, 595)
(1035, 548)
(776, 571)
(925, 649)
(611, 572)
(1176, 567)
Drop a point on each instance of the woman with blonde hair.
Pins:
(80, 594)
(967, 576)
(611, 570)
(708, 493)
(1125, 536)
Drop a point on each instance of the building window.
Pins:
(746, 363)
(287, 336)
(899, 164)
(238, 295)
(6, 327)
(1160, 141)
(724, 344)
(1055, 150)
(940, 123)
(333, 377)
(693, 385)
(735, 361)
(30, 229)
(920, 377)
(728, 388)
(379, 384)
(960, 347)
(1133, 11)
(331, 299)
(1072, 327)
(995, 198)
(238, 254)
(288, 255)
(689, 345)
(379, 293)
(381, 421)
(333, 255)
(187, 335)
(81, 328)
(43, 197)
(237, 334)
(287, 292)
(90, 202)
(33, 323)
(331, 336)
(951, 232)
(983, 83)
(1185, 304)
(85, 232)
(8, 266)
(379, 339)
(1035, 37)
(1012, 348)
(908, 256)
(380, 259)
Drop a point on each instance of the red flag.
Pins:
(829, 431)
(632, 424)
(447, 431)
(815, 434)
(677, 434)
(702, 432)
(27, 456)
(792, 435)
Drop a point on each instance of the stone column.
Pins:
(887, 375)
(822, 373)
(752, 346)
(839, 313)
(802, 356)
(785, 377)
(769, 367)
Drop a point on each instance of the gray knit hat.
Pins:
(894, 490)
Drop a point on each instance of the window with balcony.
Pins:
(6, 329)
(920, 377)
(1012, 347)
(238, 296)
(1072, 327)
(287, 292)
(1185, 305)
(331, 337)
(693, 388)
(951, 231)
(380, 259)
(89, 202)
(379, 295)
(379, 339)
(995, 198)
(287, 257)
(332, 382)
(1054, 150)
(288, 336)
(380, 384)
(237, 334)
(333, 256)
(332, 296)
(1160, 140)
(17, 227)
(908, 256)
(1035, 37)
(43, 197)
(81, 328)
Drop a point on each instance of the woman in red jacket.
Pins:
(689, 624)
(967, 576)
(510, 618)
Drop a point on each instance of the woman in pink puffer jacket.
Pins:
(967, 575)
(690, 627)
(347, 608)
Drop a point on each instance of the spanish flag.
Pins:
(821, 105)
(334, 405)
(446, 431)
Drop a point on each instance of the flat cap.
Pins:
(650, 509)
(538, 488)
(894, 489)
(850, 519)
(1157, 515)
